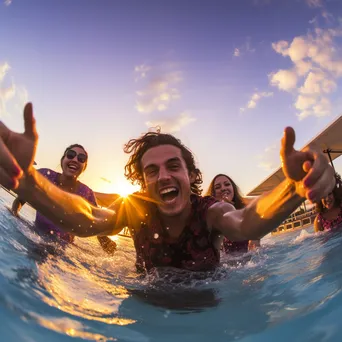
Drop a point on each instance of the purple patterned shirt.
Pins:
(45, 226)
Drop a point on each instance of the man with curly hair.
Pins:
(170, 222)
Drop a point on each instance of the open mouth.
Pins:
(73, 167)
(169, 194)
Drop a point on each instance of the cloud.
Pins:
(314, 3)
(159, 89)
(284, 79)
(172, 124)
(237, 52)
(269, 160)
(255, 98)
(6, 92)
(141, 71)
(316, 66)
(244, 49)
(7, 2)
(9, 92)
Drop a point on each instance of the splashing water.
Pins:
(290, 289)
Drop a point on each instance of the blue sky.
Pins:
(224, 76)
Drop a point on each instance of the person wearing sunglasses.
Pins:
(329, 209)
(73, 163)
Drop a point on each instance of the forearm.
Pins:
(68, 211)
(265, 213)
(261, 216)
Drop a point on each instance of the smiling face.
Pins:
(72, 167)
(328, 201)
(223, 189)
(167, 179)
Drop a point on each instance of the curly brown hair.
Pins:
(138, 147)
(337, 192)
(237, 199)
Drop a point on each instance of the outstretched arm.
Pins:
(70, 212)
(308, 176)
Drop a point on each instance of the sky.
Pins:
(226, 77)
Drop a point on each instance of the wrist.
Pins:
(27, 183)
(299, 189)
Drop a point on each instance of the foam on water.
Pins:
(289, 289)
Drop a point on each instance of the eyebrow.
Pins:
(171, 160)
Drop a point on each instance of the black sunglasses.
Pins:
(81, 157)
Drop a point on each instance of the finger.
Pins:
(8, 163)
(307, 166)
(287, 141)
(4, 131)
(29, 121)
(7, 181)
(324, 185)
(316, 169)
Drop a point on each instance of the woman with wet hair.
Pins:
(223, 188)
(73, 163)
(329, 209)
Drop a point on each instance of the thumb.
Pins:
(287, 141)
(29, 121)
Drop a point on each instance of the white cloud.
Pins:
(314, 3)
(269, 160)
(255, 98)
(6, 92)
(237, 52)
(244, 49)
(7, 2)
(3, 70)
(171, 124)
(284, 79)
(141, 70)
(159, 89)
(317, 65)
(9, 92)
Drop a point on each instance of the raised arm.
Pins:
(70, 212)
(308, 176)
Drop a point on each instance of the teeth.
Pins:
(73, 167)
(167, 190)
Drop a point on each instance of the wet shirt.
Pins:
(330, 224)
(235, 246)
(45, 226)
(193, 250)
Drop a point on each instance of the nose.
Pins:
(163, 174)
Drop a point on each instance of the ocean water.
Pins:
(288, 290)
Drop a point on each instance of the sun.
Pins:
(124, 188)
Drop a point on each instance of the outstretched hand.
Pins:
(308, 169)
(17, 150)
